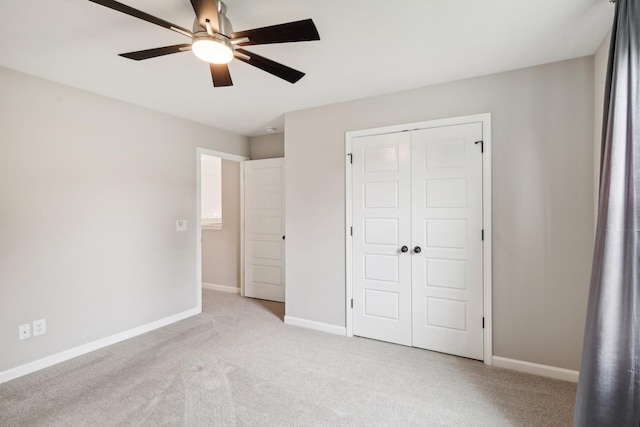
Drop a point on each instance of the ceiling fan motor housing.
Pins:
(225, 29)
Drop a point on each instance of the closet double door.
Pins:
(417, 238)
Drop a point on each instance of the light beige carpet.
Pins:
(237, 364)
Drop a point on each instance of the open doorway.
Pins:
(220, 208)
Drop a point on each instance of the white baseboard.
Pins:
(221, 288)
(54, 359)
(536, 369)
(316, 326)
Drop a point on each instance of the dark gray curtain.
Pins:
(609, 386)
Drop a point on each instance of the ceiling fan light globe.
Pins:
(212, 50)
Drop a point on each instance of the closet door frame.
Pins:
(485, 120)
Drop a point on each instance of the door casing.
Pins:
(485, 119)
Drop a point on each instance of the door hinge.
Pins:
(350, 157)
(482, 234)
(483, 323)
(351, 302)
(481, 145)
(352, 231)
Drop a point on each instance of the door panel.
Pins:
(381, 231)
(447, 224)
(264, 229)
(381, 304)
(382, 268)
(446, 273)
(446, 193)
(381, 225)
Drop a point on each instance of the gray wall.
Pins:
(266, 146)
(542, 200)
(601, 59)
(90, 191)
(221, 248)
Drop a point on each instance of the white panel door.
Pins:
(264, 229)
(420, 191)
(447, 287)
(381, 226)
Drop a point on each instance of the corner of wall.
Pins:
(266, 146)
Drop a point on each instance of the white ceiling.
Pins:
(367, 48)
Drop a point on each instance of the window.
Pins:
(211, 192)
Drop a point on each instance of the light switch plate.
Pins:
(181, 225)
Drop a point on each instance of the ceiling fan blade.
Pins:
(220, 75)
(272, 67)
(207, 9)
(153, 53)
(298, 31)
(112, 4)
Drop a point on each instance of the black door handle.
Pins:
(417, 249)
(404, 249)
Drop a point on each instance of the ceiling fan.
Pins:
(214, 41)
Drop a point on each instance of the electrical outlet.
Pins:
(39, 327)
(24, 331)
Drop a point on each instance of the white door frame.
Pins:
(485, 119)
(224, 156)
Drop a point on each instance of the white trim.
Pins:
(63, 356)
(487, 223)
(485, 119)
(536, 369)
(225, 156)
(222, 155)
(316, 326)
(420, 125)
(242, 228)
(221, 288)
(198, 288)
(347, 236)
